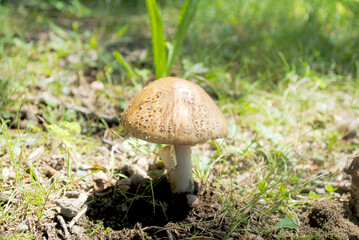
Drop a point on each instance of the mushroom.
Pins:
(179, 113)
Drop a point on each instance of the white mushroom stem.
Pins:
(177, 159)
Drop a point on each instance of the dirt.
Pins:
(329, 219)
(164, 216)
(145, 214)
(148, 210)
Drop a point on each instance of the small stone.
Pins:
(5, 173)
(101, 181)
(72, 194)
(80, 232)
(49, 99)
(125, 181)
(49, 171)
(143, 164)
(22, 227)
(97, 85)
(124, 188)
(67, 209)
(124, 208)
(71, 206)
(83, 184)
(137, 170)
(251, 236)
(50, 214)
(125, 184)
(137, 180)
(80, 173)
(242, 177)
(36, 153)
(192, 200)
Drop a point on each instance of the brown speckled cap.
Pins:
(174, 111)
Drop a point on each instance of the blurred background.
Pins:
(228, 42)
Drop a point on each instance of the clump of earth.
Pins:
(329, 219)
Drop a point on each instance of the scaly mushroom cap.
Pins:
(174, 111)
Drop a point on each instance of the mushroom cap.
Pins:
(174, 111)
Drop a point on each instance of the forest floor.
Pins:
(69, 171)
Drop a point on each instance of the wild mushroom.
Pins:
(177, 112)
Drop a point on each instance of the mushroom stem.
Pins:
(180, 168)
(181, 176)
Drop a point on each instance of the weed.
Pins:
(163, 66)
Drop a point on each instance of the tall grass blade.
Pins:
(158, 41)
(187, 14)
(122, 30)
(124, 63)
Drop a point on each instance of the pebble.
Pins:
(5, 173)
(8, 173)
(49, 99)
(192, 200)
(49, 171)
(80, 232)
(97, 85)
(83, 184)
(36, 153)
(72, 194)
(101, 181)
(124, 207)
(22, 227)
(125, 181)
(71, 206)
(81, 173)
(137, 180)
(143, 164)
(50, 214)
(135, 169)
(251, 236)
(125, 184)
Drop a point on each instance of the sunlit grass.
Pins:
(282, 72)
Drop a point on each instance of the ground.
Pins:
(69, 170)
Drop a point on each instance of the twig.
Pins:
(138, 225)
(151, 227)
(170, 236)
(77, 217)
(63, 225)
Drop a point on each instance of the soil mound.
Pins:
(330, 219)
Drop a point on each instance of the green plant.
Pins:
(4, 98)
(29, 188)
(204, 165)
(163, 65)
(15, 149)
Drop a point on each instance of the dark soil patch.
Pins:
(156, 212)
(147, 204)
(331, 220)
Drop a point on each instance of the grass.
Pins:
(284, 73)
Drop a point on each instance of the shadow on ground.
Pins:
(147, 204)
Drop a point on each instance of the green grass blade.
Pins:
(122, 30)
(124, 63)
(187, 15)
(158, 41)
